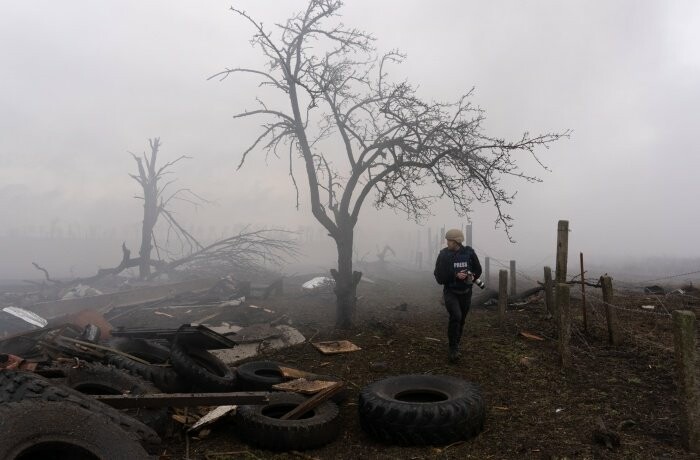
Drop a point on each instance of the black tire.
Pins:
(261, 425)
(17, 386)
(422, 409)
(35, 429)
(164, 377)
(205, 371)
(262, 375)
(258, 375)
(100, 379)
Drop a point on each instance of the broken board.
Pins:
(335, 346)
(303, 386)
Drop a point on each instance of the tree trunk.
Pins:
(345, 280)
(150, 216)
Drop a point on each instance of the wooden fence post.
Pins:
(420, 260)
(549, 290)
(562, 250)
(487, 270)
(468, 235)
(512, 279)
(583, 298)
(429, 252)
(564, 323)
(438, 241)
(502, 295)
(686, 372)
(610, 312)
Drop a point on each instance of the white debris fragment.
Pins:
(81, 290)
(648, 307)
(320, 282)
(288, 336)
(212, 416)
(26, 316)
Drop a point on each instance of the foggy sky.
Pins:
(83, 83)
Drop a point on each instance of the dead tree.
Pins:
(248, 251)
(155, 203)
(392, 141)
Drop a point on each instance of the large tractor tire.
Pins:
(59, 430)
(100, 379)
(421, 409)
(18, 386)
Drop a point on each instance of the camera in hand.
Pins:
(478, 282)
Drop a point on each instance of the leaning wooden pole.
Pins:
(583, 298)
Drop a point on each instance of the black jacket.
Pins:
(446, 273)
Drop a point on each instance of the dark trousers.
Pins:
(457, 306)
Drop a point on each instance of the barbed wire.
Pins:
(671, 276)
(638, 285)
(632, 310)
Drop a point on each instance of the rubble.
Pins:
(150, 372)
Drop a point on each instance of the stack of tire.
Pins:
(41, 420)
(262, 425)
(182, 368)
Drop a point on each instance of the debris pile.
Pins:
(122, 389)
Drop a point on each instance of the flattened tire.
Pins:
(422, 409)
(261, 425)
(100, 379)
(60, 430)
(165, 378)
(17, 386)
(205, 371)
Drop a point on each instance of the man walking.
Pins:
(456, 268)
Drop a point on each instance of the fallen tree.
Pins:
(247, 251)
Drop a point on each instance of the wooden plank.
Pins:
(291, 373)
(184, 399)
(313, 402)
(304, 386)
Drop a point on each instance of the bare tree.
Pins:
(393, 143)
(151, 178)
(248, 251)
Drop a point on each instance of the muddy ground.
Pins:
(535, 409)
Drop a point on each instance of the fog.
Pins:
(84, 83)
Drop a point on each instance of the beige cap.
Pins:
(455, 234)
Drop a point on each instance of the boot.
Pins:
(453, 356)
